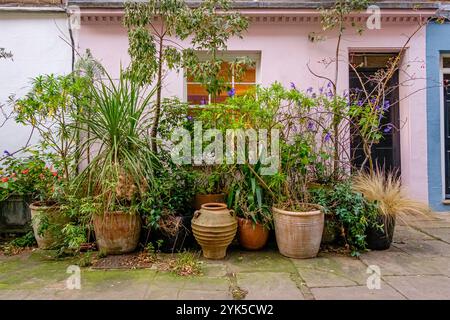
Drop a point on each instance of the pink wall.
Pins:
(285, 52)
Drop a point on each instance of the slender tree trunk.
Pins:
(336, 116)
(154, 130)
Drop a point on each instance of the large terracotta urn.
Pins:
(117, 232)
(214, 227)
(299, 233)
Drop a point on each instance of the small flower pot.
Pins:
(252, 236)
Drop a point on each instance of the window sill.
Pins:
(446, 202)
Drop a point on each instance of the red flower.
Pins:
(5, 179)
(25, 171)
(55, 173)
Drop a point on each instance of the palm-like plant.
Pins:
(116, 127)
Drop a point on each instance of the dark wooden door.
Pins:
(447, 133)
(385, 154)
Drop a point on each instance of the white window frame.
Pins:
(229, 56)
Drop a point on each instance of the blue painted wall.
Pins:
(437, 43)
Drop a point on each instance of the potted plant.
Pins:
(50, 108)
(385, 189)
(122, 169)
(246, 197)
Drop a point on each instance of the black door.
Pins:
(447, 133)
(385, 154)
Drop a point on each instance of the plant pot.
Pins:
(15, 214)
(330, 231)
(175, 242)
(214, 228)
(299, 234)
(51, 236)
(381, 239)
(117, 232)
(201, 199)
(252, 236)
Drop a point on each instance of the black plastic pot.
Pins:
(381, 239)
(15, 215)
(181, 240)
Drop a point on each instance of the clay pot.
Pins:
(117, 232)
(214, 228)
(201, 199)
(381, 239)
(52, 235)
(15, 214)
(252, 236)
(299, 233)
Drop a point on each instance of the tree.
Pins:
(153, 30)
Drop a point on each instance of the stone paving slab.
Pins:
(440, 233)
(399, 263)
(406, 233)
(357, 293)
(269, 286)
(331, 270)
(425, 249)
(258, 261)
(204, 295)
(421, 287)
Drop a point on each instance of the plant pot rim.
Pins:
(116, 212)
(210, 194)
(39, 205)
(300, 213)
(248, 220)
(214, 206)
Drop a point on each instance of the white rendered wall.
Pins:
(36, 41)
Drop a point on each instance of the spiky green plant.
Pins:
(122, 166)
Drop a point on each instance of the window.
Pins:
(197, 94)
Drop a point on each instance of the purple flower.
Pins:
(203, 101)
(386, 105)
(327, 137)
(293, 86)
(310, 126)
(6, 152)
(320, 90)
(329, 84)
(330, 94)
(345, 93)
(377, 107)
(232, 92)
(309, 90)
(189, 118)
(388, 128)
(360, 103)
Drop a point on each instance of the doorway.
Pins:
(386, 153)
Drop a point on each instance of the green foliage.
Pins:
(27, 176)
(24, 241)
(350, 210)
(117, 124)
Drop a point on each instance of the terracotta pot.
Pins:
(214, 228)
(49, 238)
(201, 199)
(117, 232)
(381, 239)
(252, 236)
(299, 233)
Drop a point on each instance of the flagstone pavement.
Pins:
(417, 266)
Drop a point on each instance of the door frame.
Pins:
(442, 72)
(396, 138)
